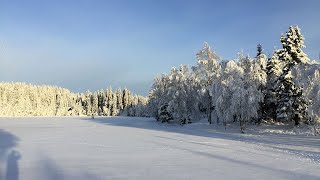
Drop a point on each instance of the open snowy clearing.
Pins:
(41, 148)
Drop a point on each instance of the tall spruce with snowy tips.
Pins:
(119, 99)
(291, 104)
(206, 74)
(260, 50)
(101, 104)
(95, 103)
(259, 68)
(113, 105)
(125, 98)
(273, 70)
(87, 104)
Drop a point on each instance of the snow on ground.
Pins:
(43, 148)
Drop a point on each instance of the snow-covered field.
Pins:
(43, 148)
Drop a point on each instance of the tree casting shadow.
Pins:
(310, 144)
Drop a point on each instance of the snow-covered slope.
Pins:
(139, 148)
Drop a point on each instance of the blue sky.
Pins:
(84, 44)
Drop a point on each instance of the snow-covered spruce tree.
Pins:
(94, 105)
(104, 103)
(113, 105)
(119, 99)
(206, 74)
(58, 103)
(291, 102)
(107, 109)
(274, 70)
(260, 67)
(259, 76)
(125, 98)
(83, 103)
(259, 50)
(109, 94)
(87, 104)
(101, 102)
(77, 108)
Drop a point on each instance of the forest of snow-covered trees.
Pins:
(20, 99)
(283, 88)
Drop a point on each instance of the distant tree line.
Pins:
(21, 99)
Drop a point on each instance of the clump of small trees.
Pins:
(284, 87)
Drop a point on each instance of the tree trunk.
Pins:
(296, 120)
(209, 109)
(209, 118)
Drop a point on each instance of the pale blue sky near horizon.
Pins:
(82, 44)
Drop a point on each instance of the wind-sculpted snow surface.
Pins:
(43, 148)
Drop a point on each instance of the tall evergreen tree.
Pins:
(109, 97)
(101, 100)
(291, 104)
(259, 68)
(274, 70)
(125, 97)
(113, 105)
(259, 50)
(95, 102)
(119, 99)
(87, 105)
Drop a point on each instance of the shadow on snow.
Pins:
(9, 159)
(9, 156)
(310, 144)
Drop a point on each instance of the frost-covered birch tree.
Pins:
(206, 73)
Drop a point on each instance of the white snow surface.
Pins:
(53, 148)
